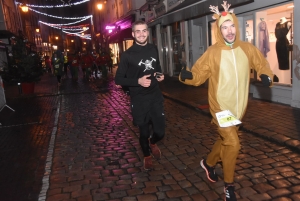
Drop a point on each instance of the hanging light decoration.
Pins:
(59, 17)
(54, 6)
(76, 30)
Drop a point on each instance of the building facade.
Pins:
(182, 30)
(185, 31)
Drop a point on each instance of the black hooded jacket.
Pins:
(136, 62)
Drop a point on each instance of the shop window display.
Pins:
(274, 39)
(272, 33)
(127, 44)
(282, 43)
(263, 37)
(115, 51)
(249, 31)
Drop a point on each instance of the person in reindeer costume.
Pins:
(227, 65)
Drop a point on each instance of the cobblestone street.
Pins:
(82, 136)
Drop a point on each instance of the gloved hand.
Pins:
(266, 80)
(275, 78)
(184, 74)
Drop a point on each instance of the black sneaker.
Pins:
(210, 171)
(229, 193)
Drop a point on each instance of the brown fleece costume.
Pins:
(228, 70)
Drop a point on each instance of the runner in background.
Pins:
(66, 64)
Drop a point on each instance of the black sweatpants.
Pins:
(156, 119)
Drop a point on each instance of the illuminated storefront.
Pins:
(184, 33)
(120, 36)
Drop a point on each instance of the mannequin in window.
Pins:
(282, 43)
(263, 37)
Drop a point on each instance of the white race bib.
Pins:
(226, 119)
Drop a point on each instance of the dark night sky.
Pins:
(69, 11)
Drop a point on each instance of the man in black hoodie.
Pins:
(140, 70)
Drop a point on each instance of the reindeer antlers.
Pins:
(214, 9)
(226, 7)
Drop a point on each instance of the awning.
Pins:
(197, 10)
(122, 35)
(191, 9)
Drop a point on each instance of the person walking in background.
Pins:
(70, 59)
(48, 64)
(66, 64)
(102, 62)
(138, 69)
(87, 65)
(227, 65)
(74, 66)
(98, 65)
(107, 60)
(58, 63)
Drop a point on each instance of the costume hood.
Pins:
(221, 17)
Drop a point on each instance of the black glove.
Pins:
(275, 78)
(184, 74)
(266, 80)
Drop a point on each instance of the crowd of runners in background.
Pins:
(93, 66)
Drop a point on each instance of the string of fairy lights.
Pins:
(70, 30)
(54, 6)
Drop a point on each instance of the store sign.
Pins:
(125, 22)
(173, 3)
(160, 9)
(110, 27)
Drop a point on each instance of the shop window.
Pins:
(274, 39)
(273, 36)
(127, 44)
(114, 48)
(177, 48)
(249, 31)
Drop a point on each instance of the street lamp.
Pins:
(24, 8)
(99, 6)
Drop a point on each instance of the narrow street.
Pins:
(97, 157)
(94, 154)
(66, 129)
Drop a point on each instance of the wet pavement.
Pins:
(77, 142)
